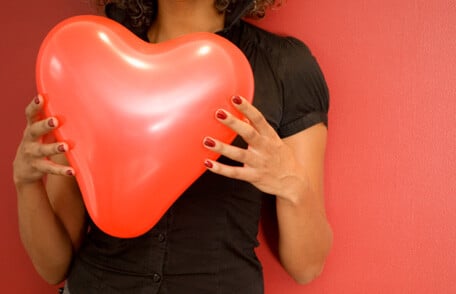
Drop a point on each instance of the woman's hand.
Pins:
(269, 164)
(31, 162)
(292, 170)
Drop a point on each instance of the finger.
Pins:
(242, 128)
(46, 150)
(49, 167)
(42, 127)
(230, 151)
(34, 109)
(233, 172)
(253, 115)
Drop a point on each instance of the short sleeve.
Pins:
(305, 92)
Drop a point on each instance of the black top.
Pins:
(205, 243)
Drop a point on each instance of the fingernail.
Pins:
(69, 172)
(37, 100)
(221, 114)
(209, 142)
(61, 148)
(51, 123)
(237, 100)
(208, 164)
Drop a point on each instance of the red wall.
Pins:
(391, 164)
(23, 26)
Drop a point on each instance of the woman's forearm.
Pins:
(305, 237)
(45, 239)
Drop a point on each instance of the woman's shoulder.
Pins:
(274, 43)
(289, 57)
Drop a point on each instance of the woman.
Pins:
(205, 242)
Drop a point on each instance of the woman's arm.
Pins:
(305, 236)
(51, 215)
(291, 169)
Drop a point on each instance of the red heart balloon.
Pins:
(135, 114)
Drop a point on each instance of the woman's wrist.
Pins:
(23, 185)
(295, 190)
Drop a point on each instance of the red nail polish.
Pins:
(69, 172)
(209, 142)
(51, 123)
(37, 100)
(237, 100)
(61, 148)
(208, 164)
(221, 114)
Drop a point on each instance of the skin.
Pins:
(52, 220)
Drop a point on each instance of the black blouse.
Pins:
(205, 243)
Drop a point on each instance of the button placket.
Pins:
(160, 240)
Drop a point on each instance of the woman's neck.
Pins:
(179, 17)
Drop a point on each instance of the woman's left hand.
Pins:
(269, 164)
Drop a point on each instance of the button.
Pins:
(161, 237)
(157, 278)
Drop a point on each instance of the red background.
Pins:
(391, 160)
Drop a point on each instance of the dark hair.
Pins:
(137, 15)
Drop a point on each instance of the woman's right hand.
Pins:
(32, 157)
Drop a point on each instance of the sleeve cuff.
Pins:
(303, 123)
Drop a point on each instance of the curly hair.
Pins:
(137, 15)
